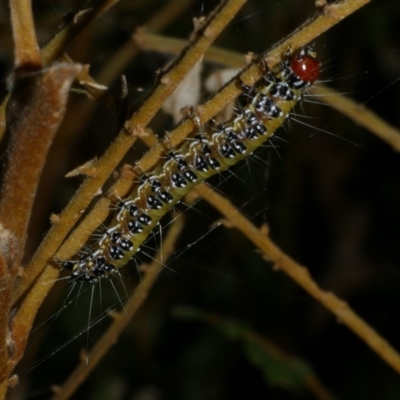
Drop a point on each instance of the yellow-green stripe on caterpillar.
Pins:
(211, 151)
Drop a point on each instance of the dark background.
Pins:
(331, 202)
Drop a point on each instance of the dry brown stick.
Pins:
(133, 128)
(26, 48)
(359, 114)
(124, 55)
(121, 319)
(73, 26)
(272, 253)
(12, 236)
(148, 41)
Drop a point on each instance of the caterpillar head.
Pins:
(305, 65)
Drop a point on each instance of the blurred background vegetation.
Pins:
(331, 202)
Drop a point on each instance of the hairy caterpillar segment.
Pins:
(208, 153)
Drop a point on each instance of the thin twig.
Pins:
(73, 25)
(124, 55)
(359, 114)
(122, 319)
(272, 253)
(26, 48)
(152, 42)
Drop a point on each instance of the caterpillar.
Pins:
(210, 151)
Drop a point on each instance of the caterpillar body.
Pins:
(211, 151)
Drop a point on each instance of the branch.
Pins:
(359, 114)
(34, 113)
(74, 24)
(272, 253)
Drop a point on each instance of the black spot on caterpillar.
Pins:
(210, 151)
